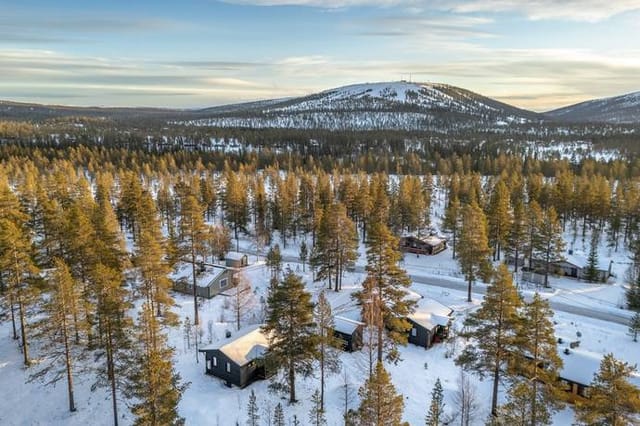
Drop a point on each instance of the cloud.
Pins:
(573, 10)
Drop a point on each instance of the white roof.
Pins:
(345, 325)
(579, 366)
(205, 279)
(433, 240)
(243, 347)
(580, 259)
(430, 313)
(234, 255)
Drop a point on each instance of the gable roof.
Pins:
(242, 348)
(581, 366)
(234, 255)
(345, 325)
(430, 313)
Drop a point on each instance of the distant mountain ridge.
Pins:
(398, 105)
(372, 106)
(623, 109)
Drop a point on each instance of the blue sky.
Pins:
(534, 54)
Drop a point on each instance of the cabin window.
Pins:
(228, 368)
(223, 283)
(414, 332)
(215, 361)
(208, 364)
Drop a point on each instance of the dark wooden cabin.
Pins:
(429, 323)
(236, 360)
(428, 246)
(349, 331)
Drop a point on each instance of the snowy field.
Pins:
(208, 401)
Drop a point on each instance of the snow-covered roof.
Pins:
(430, 313)
(579, 366)
(580, 259)
(234, 255)
(345, 325)
(243, 347)
(206, 278)
(433, 240)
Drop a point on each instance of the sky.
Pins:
(536, 54)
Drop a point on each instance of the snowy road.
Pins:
(456, 284)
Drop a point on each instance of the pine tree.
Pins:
(19, 270)
(152, 380)
(253, 417)
(235, 202)
(58, 327)
(242, 297)
(451, 222)
(517, 237)
(289, 325)
(613, 401)
(115, 328)
(218, 241)
(536, 346)
(474, 251)
(380, 405)
(316, 414)
(492, 330)
(548, 242)
(385, 287)
(591, 274)
(278, 416)
(193, 234)
(499, 218)
(336, 245)
(328, 356)
(435, 416)
(634, 326)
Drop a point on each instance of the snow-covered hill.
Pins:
(372, 106)
(616, 110)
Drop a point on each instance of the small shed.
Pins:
(209, 283)
(236, 360)
(429, 323)
(429, 246)
(349, 331)
(233, 259)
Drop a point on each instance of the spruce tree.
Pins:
(253, 415)
(278, 416)
(634, 326)
(435, 416)
(591, 274)
(493, 332)
(473, 254)
(633, 294)
(303, 254)
(327, 343)
(613, 401)
(316, 414)
(291, 330)
(274, 262)
(380, 404)
(386, 287)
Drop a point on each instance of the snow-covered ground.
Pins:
(208, 401)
